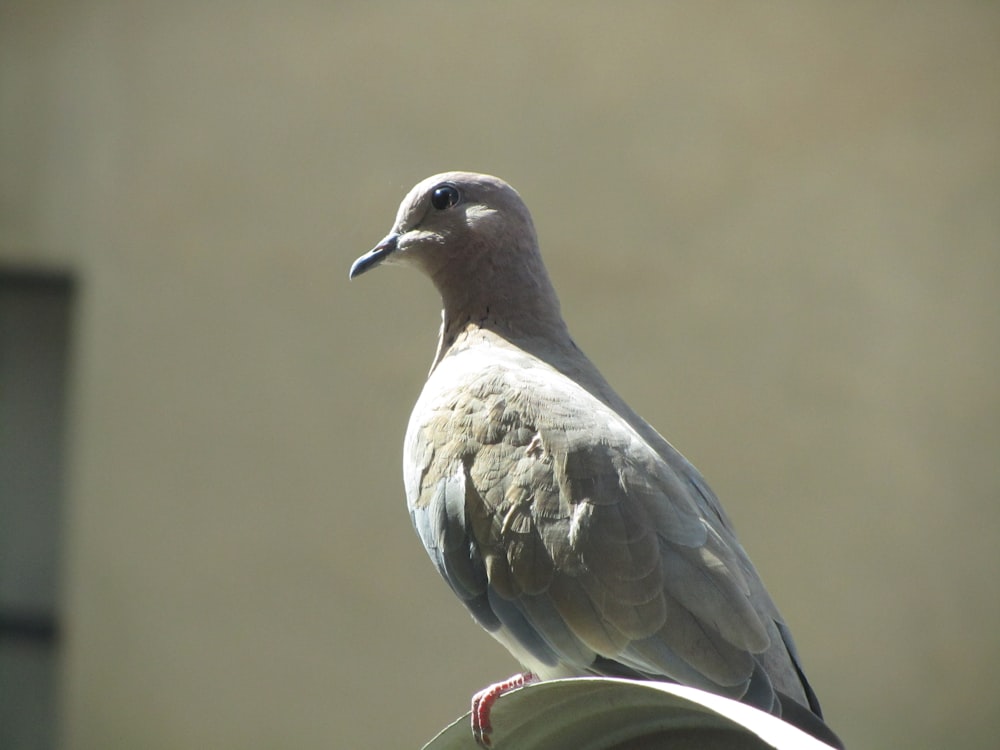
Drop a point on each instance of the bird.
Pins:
(571, 530)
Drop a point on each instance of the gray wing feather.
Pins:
(559, 525)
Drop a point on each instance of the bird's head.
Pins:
(473, 236)
(457, 225)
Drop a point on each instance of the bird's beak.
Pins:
(375, 256)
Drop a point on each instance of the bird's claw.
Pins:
(482, 704)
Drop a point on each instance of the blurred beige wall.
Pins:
(776, 227)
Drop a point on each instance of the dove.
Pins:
(571, 530)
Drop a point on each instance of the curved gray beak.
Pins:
(375, 256)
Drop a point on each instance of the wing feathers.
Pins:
(582, 543)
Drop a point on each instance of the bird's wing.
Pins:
(564, 531)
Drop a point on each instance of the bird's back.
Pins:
(578, 536)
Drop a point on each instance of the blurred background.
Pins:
(775, 227)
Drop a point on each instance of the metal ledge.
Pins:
(601, 713)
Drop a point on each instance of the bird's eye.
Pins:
(444, 196)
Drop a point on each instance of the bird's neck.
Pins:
(524, 314)
(524, 328)
(516, 303)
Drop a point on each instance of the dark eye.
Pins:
(444, 196)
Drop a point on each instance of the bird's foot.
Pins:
(482, 704)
